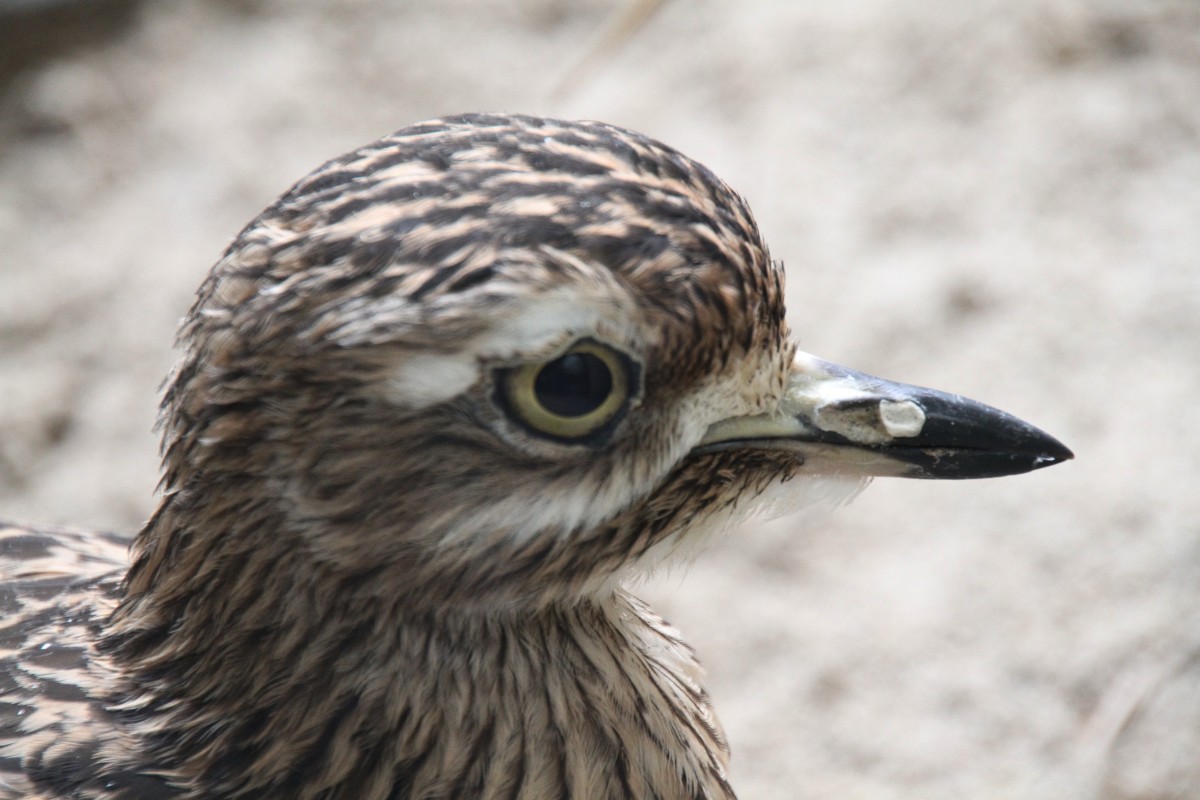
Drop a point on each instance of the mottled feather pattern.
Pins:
(363, 580)
(56, 588)
(432, 223)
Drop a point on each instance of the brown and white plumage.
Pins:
(394, 524)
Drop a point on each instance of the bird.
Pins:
(435, 406)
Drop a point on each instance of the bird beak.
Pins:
(847, 422)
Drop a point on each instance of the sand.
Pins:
(999, 199)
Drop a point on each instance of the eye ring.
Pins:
(574, 396)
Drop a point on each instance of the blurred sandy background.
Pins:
(996, 198)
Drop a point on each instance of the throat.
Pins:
(590, 701)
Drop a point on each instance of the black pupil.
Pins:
(574, 385)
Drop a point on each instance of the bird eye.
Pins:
(572, 396)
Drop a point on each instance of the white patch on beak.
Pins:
(902, 418)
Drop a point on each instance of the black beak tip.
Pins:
(1032, 450)
(1052, 452)
(1055, 452)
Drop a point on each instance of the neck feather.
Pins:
(265, 678)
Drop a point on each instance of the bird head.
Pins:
(496, 359)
